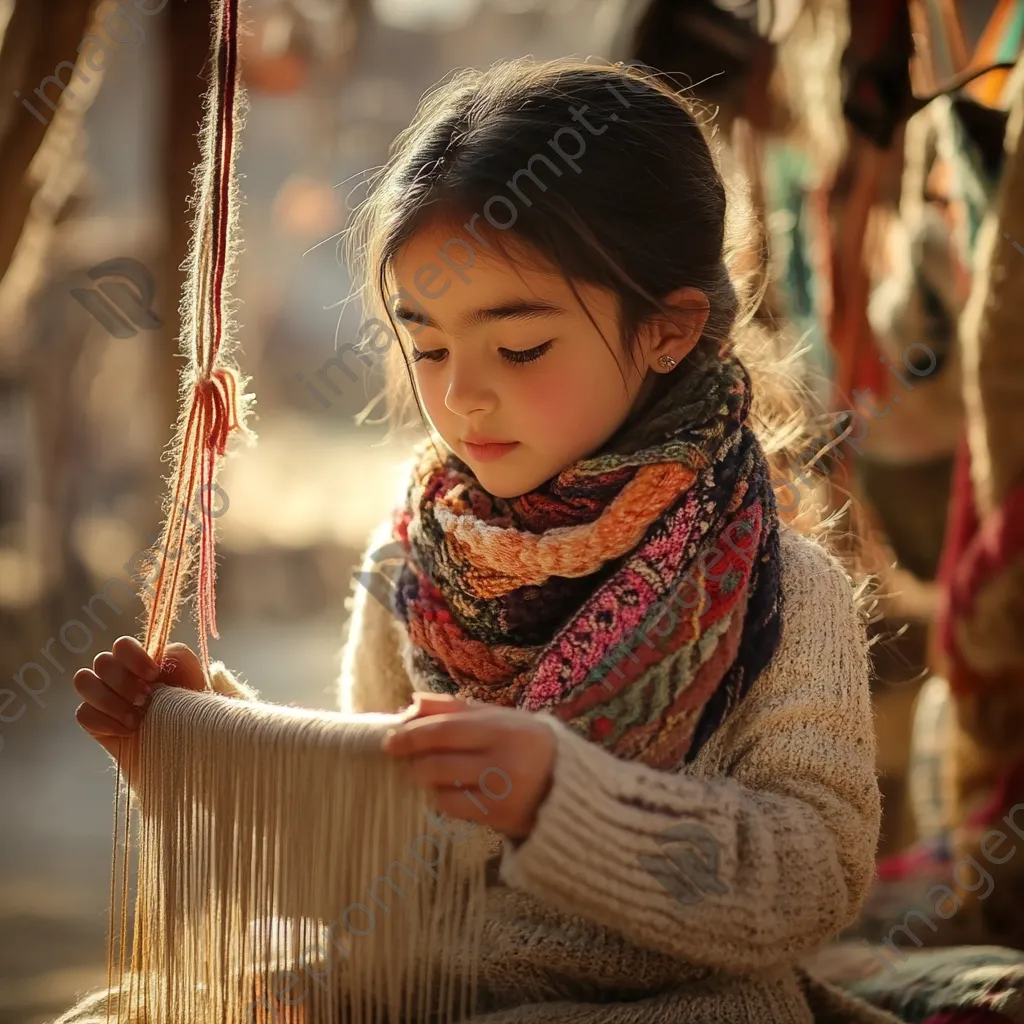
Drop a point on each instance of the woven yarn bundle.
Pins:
(262, 831)
(287, 871)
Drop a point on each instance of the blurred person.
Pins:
(687, 803)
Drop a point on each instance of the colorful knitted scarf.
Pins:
(635, 595)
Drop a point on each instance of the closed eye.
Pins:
(509, 355)
(527, 355)
(434, 355)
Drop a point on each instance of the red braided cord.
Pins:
(214, 406)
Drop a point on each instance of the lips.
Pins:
(485, 451)
(483, 439)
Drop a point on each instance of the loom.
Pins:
(270, 881)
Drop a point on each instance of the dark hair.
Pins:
(632, 200)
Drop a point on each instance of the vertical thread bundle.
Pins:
(261, 829)
(273, 840)
(213, 404)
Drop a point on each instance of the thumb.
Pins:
(425, 704)
(181, 667)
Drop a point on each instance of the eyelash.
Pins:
(515, 358)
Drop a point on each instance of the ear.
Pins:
(675, 336)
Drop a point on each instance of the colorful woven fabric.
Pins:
(635, 595)
(950, 887)
(957, 985)
(976, 554)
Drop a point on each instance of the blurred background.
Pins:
(871, 202)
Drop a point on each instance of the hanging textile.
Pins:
(970, 770)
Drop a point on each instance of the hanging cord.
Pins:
(212, 406)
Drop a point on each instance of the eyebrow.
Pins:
(513, 309)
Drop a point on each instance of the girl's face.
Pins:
(511, 371)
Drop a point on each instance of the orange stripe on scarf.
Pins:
(570, 552)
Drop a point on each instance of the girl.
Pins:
(652, 693)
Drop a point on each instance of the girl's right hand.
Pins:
(117, 687)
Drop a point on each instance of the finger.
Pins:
(425, 704)
(119, 679)
(437, 733)
(133, 656)
(181, 668)
(100, 696)
(97, 723)
(466, 804)
(447, 770)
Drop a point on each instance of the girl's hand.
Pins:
(482, 763)
(116, 688)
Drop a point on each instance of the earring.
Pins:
(667, 361)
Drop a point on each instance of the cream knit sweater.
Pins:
(578, 930)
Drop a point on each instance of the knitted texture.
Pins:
(579, 930)
(578, 926)
(543, 601)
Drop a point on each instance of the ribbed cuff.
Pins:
(583, 851)
(601, 830)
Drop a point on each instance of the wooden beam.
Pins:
(48, 34)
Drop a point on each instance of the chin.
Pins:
(507, 484)
(501, 485)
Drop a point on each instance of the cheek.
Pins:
(590, 388)
(573, 408)
(542, 401)
(432, 388)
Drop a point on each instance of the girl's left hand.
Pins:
(483, 763)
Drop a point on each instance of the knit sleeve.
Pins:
(373, 676)
(746, 869)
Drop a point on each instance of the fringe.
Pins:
(312, 885)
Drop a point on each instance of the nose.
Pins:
(468, 392)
